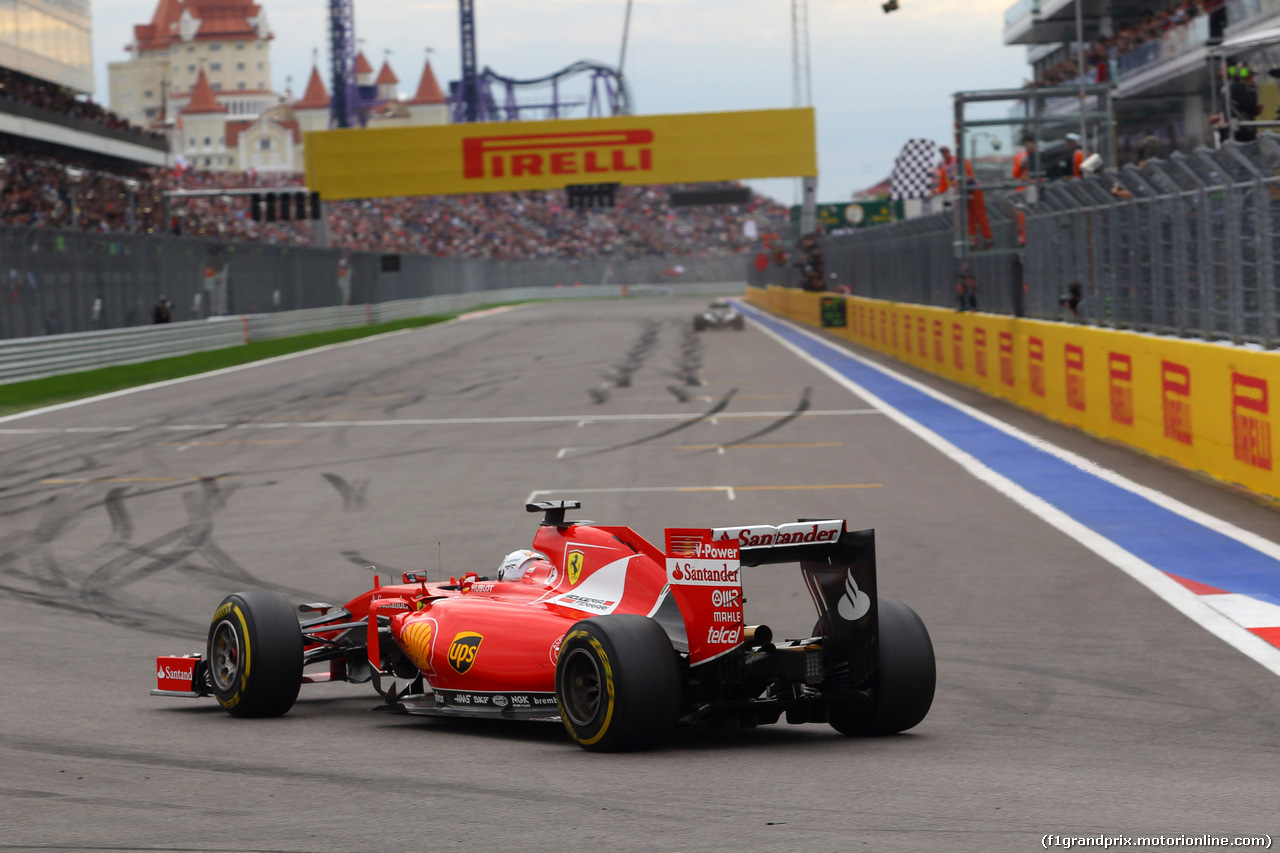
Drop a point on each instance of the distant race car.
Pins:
(721, 314)
(595, 628)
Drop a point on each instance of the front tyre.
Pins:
(618, 683)
(904, 682)
(255, 654)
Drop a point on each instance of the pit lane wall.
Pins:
(1203, 405)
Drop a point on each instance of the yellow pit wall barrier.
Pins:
(1205, 406)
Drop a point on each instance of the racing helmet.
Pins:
(515, 564)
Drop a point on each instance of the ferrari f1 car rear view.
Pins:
(596, 628)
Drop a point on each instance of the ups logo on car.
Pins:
(463, 650)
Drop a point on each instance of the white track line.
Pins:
(416, 422)
(1179, 597)
(124, 392)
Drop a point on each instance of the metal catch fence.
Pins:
(913, 261)
(1186, 246)
(33, 358)
(57, 282)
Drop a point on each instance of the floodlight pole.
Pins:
(626, 31)
(802, 96)
(1084, 133)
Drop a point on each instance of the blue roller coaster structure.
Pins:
(478, 96)
(498, 97)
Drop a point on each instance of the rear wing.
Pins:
(838, 567)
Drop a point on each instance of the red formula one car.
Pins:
(596, 628)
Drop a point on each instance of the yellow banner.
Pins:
(1205, 406)
(544, 155)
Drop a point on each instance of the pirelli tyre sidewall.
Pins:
(903, 686)
(627, 663)
(254, 654)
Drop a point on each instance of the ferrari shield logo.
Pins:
(463, 650)
(575, 561)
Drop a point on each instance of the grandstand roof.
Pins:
(316, 97)
(428, 89)
(362, 64)
(386, 77)
(202, 98)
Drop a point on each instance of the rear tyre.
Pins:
(254, 654)
(739, 323)
(699, 324)
(904, 682)
(618, 683)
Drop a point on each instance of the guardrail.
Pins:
(33, 358)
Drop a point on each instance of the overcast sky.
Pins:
(878, 79)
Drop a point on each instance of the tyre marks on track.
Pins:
(353, 493)
(31, 571)
(681, 425)
(688, 369)
(801, 407)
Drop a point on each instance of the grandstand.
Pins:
(66, 161)
(1155, 57)
(504, 226)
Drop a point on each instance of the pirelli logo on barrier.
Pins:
(920, 337)
(1073, 358)
(553, 154)
(1250, 422)
(906, 333)
(957, 345)
(980, 351)
(1120, 376)
(893, 328)
(938, 355)
(1035, 365)
(1175, 398)
(1006, 358)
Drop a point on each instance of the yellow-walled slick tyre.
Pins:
(618, 683)
(904, 681)
(255, 654)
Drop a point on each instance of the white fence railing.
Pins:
(34, 358)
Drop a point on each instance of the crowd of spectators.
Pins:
(1101, 56)
(50, 96)
(504, 226)
(39, 191)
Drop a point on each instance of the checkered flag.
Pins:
(913, 170)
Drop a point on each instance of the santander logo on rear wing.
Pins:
(784, 535)
(706, 582)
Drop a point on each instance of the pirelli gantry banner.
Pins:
(540, 155)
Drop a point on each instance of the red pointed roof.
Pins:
(163, 27)
(316, 97)
(362, 64)
(202, 98)
(223, 19)
(429, 91)
(386, 77)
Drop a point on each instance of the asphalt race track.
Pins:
(1071, 700)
